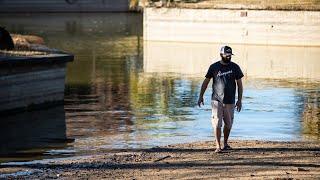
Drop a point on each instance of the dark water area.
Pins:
(119, 96)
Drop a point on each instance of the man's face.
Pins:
(226, 58)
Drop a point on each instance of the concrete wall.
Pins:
(31, 88)
(63, 5)
(299, 28)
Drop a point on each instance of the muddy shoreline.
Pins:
(248, 159)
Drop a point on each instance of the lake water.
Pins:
(122, 92)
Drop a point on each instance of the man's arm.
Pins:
(240, 92)
(203, 89)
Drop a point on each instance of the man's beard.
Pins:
(226, 60)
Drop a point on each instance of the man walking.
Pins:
(225, 75)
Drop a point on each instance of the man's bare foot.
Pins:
(227, 147)
(218, 150)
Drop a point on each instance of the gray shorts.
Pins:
(222, 112)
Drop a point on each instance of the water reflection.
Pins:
(122, 95)
(32, 134)
(95, 105)
(305, 105)
(292, 99)
(311, 114)
(272, 62)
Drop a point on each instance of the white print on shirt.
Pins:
(223, 74)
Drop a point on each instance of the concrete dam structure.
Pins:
(259, 27)
(14, 6)
(32, 81)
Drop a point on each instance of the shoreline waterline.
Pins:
(262, 159)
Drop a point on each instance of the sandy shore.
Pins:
(248, 159)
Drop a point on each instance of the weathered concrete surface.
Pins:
(27, 81)
(298, 28)
(15, 6)
(22, 90)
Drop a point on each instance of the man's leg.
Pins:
(218, 137)
(217, 115)
(228, 121)
(226, 133)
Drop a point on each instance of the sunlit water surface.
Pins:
(122, 92)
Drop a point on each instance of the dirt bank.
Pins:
(248, 159)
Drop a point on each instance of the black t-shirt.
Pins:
(224, 81)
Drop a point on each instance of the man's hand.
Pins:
(203, 89)
(239, 105)
(240, 92)
(200, 101)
